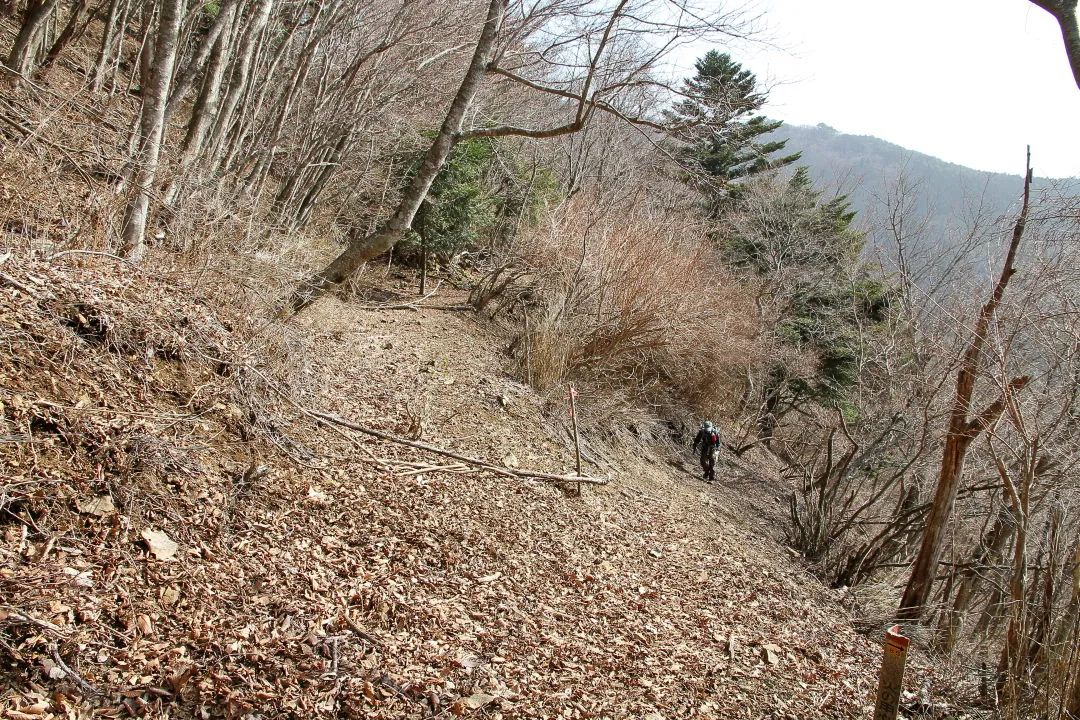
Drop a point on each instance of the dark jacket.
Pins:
(708, 441)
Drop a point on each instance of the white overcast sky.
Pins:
(968, 81)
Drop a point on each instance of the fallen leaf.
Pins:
(38, 708)
(180, 678)
(99, 506)
(17, 715)
(81, 579)
(161, 545)
(468, 661)
(478, 700)
(54, 671)
(771, 653)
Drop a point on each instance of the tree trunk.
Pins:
(151, 128)
(25, 45)
(125, 11)
(208, 44)
(422, 215)
(255, 93)
(148, 48)
(1064, 11)
(962, 431)
(1009, 665)
(363, 249)
(241, 77)
(988, 553)
(68, 33)
(295, 85)
(295, 213)
(1071, 624)
(105, 48)
(202, 114)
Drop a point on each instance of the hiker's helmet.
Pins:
(708, 425)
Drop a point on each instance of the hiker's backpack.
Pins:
(713, 437)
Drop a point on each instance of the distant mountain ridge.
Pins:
(868, 169)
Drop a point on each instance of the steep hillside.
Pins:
(181, 539)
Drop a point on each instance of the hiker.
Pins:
(709, 439)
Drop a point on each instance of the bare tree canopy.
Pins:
(581, 56)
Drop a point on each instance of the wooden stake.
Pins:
(423, 264)
(891, 681)
(528, 343)
(577, 445)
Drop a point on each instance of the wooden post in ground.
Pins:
(577, 446)
(891, 681)
(528, 343)
(423, 263)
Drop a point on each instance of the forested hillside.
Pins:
(874, 173)
(352, 352)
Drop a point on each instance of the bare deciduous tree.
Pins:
(962, 431)
(151, 127)
(587, 56)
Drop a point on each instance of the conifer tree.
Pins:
(809, 254)
(721, 134)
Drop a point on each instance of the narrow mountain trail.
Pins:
(179, 539)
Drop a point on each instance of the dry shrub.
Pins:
(636, 300)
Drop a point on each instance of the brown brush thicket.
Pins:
(630, 299)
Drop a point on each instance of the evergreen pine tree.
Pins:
(718, 128)
(827, 300)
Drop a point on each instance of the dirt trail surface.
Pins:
(177, 539)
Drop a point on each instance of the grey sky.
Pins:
(968, 81)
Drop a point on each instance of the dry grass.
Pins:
(639, 305)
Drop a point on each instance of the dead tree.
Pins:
(963, 430)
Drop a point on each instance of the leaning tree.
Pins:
(578, 58)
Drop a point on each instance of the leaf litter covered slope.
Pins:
(188, 543)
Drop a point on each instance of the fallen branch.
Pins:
(4, 278)
(483, 464)
(14, 616)
(336, 423)
(411, 305)
(417, 306)
(454, 468)
(87, 687)
(110, 256)
(360, 632)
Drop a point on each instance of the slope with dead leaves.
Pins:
(179, 539)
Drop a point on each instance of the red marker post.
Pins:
(892, 674)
